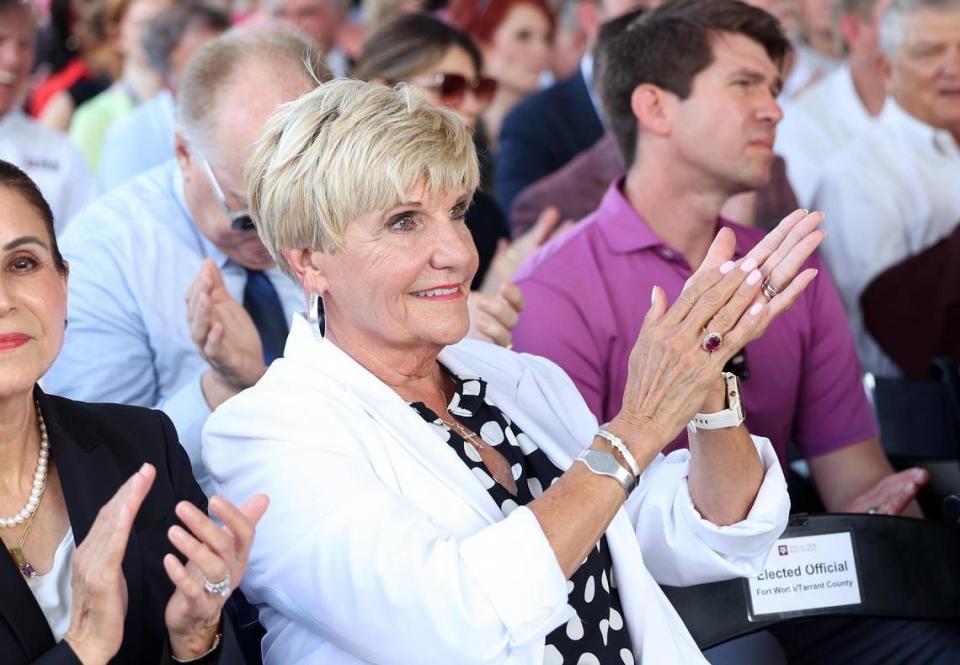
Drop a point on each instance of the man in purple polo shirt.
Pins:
(689, 93)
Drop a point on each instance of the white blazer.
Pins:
(380, 546)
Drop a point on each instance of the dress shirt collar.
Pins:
(936, 142)
(627, 232)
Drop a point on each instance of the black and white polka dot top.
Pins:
(596, 633)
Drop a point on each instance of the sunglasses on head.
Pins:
(452, 88)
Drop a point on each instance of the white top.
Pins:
(891, 194)
(816, 125)
(809, 66)
(133, 255)
(51, 160)
(381, 546)
(53, 591)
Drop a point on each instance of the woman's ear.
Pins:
(308, 267)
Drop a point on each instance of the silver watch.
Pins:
(603, 463)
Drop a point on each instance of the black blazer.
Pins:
(542, 133)
(96, 447)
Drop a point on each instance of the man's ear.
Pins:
(181, 149)
(308, 267)
(652, 106)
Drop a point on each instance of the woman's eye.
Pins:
(459, 211)
(403, 222)
(23, 264)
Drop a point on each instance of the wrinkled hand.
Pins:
(213, 552)
(99, 603)
(670, 375)
(493, 317)
(892, 494)
(223, 332)
(510, 255)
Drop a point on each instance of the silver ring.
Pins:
(769, 290)
(873, 510)
(221, 588)
(711, 341)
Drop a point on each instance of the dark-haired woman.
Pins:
(112, 557)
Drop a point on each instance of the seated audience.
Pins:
(77, 61)
(552, 126)
(429, 509)
(445, 65)
(321, 21)
(582, 310)
(839, 107)
(138, 82)
(91, 577)
(47, 156)
(143, 138)
(816, 48)
(181, 230)
(895, 190)
(515, 38)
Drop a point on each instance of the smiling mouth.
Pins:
(438, 292)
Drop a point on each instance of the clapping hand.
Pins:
(217, 559)
(671, 370)
(510, 255)
(892, 495)
(225, 336)
(99, 602)
(493, 317)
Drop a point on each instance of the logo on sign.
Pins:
(782, 549)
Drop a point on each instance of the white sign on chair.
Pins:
(806, 573)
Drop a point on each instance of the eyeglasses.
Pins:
(452, 88)
(239, 221)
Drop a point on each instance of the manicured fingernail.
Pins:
(755, 308)
(748, 265)
(726, 267)
(804, 211)
(753, 277)
(143, 469)
(653, 295)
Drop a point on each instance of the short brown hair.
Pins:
(13, 178)
(668, 47)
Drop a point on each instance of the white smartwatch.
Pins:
(732, 416)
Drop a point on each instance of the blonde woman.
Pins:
(440, 501)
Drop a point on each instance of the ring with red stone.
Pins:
(711, 341)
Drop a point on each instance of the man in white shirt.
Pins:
(173, 304)
(895, 191)
(822, 120)
(47, 157)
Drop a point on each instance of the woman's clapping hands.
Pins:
(670, 374)
(193, 614)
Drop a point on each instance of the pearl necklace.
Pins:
(39, 481)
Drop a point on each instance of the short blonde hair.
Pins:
(347, 149)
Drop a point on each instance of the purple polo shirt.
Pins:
(588, 291)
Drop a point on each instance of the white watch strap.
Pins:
(732, 416)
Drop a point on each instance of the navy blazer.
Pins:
(542, 133)
(96, 447)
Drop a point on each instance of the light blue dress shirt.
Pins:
(133, 254)
(137, 142)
